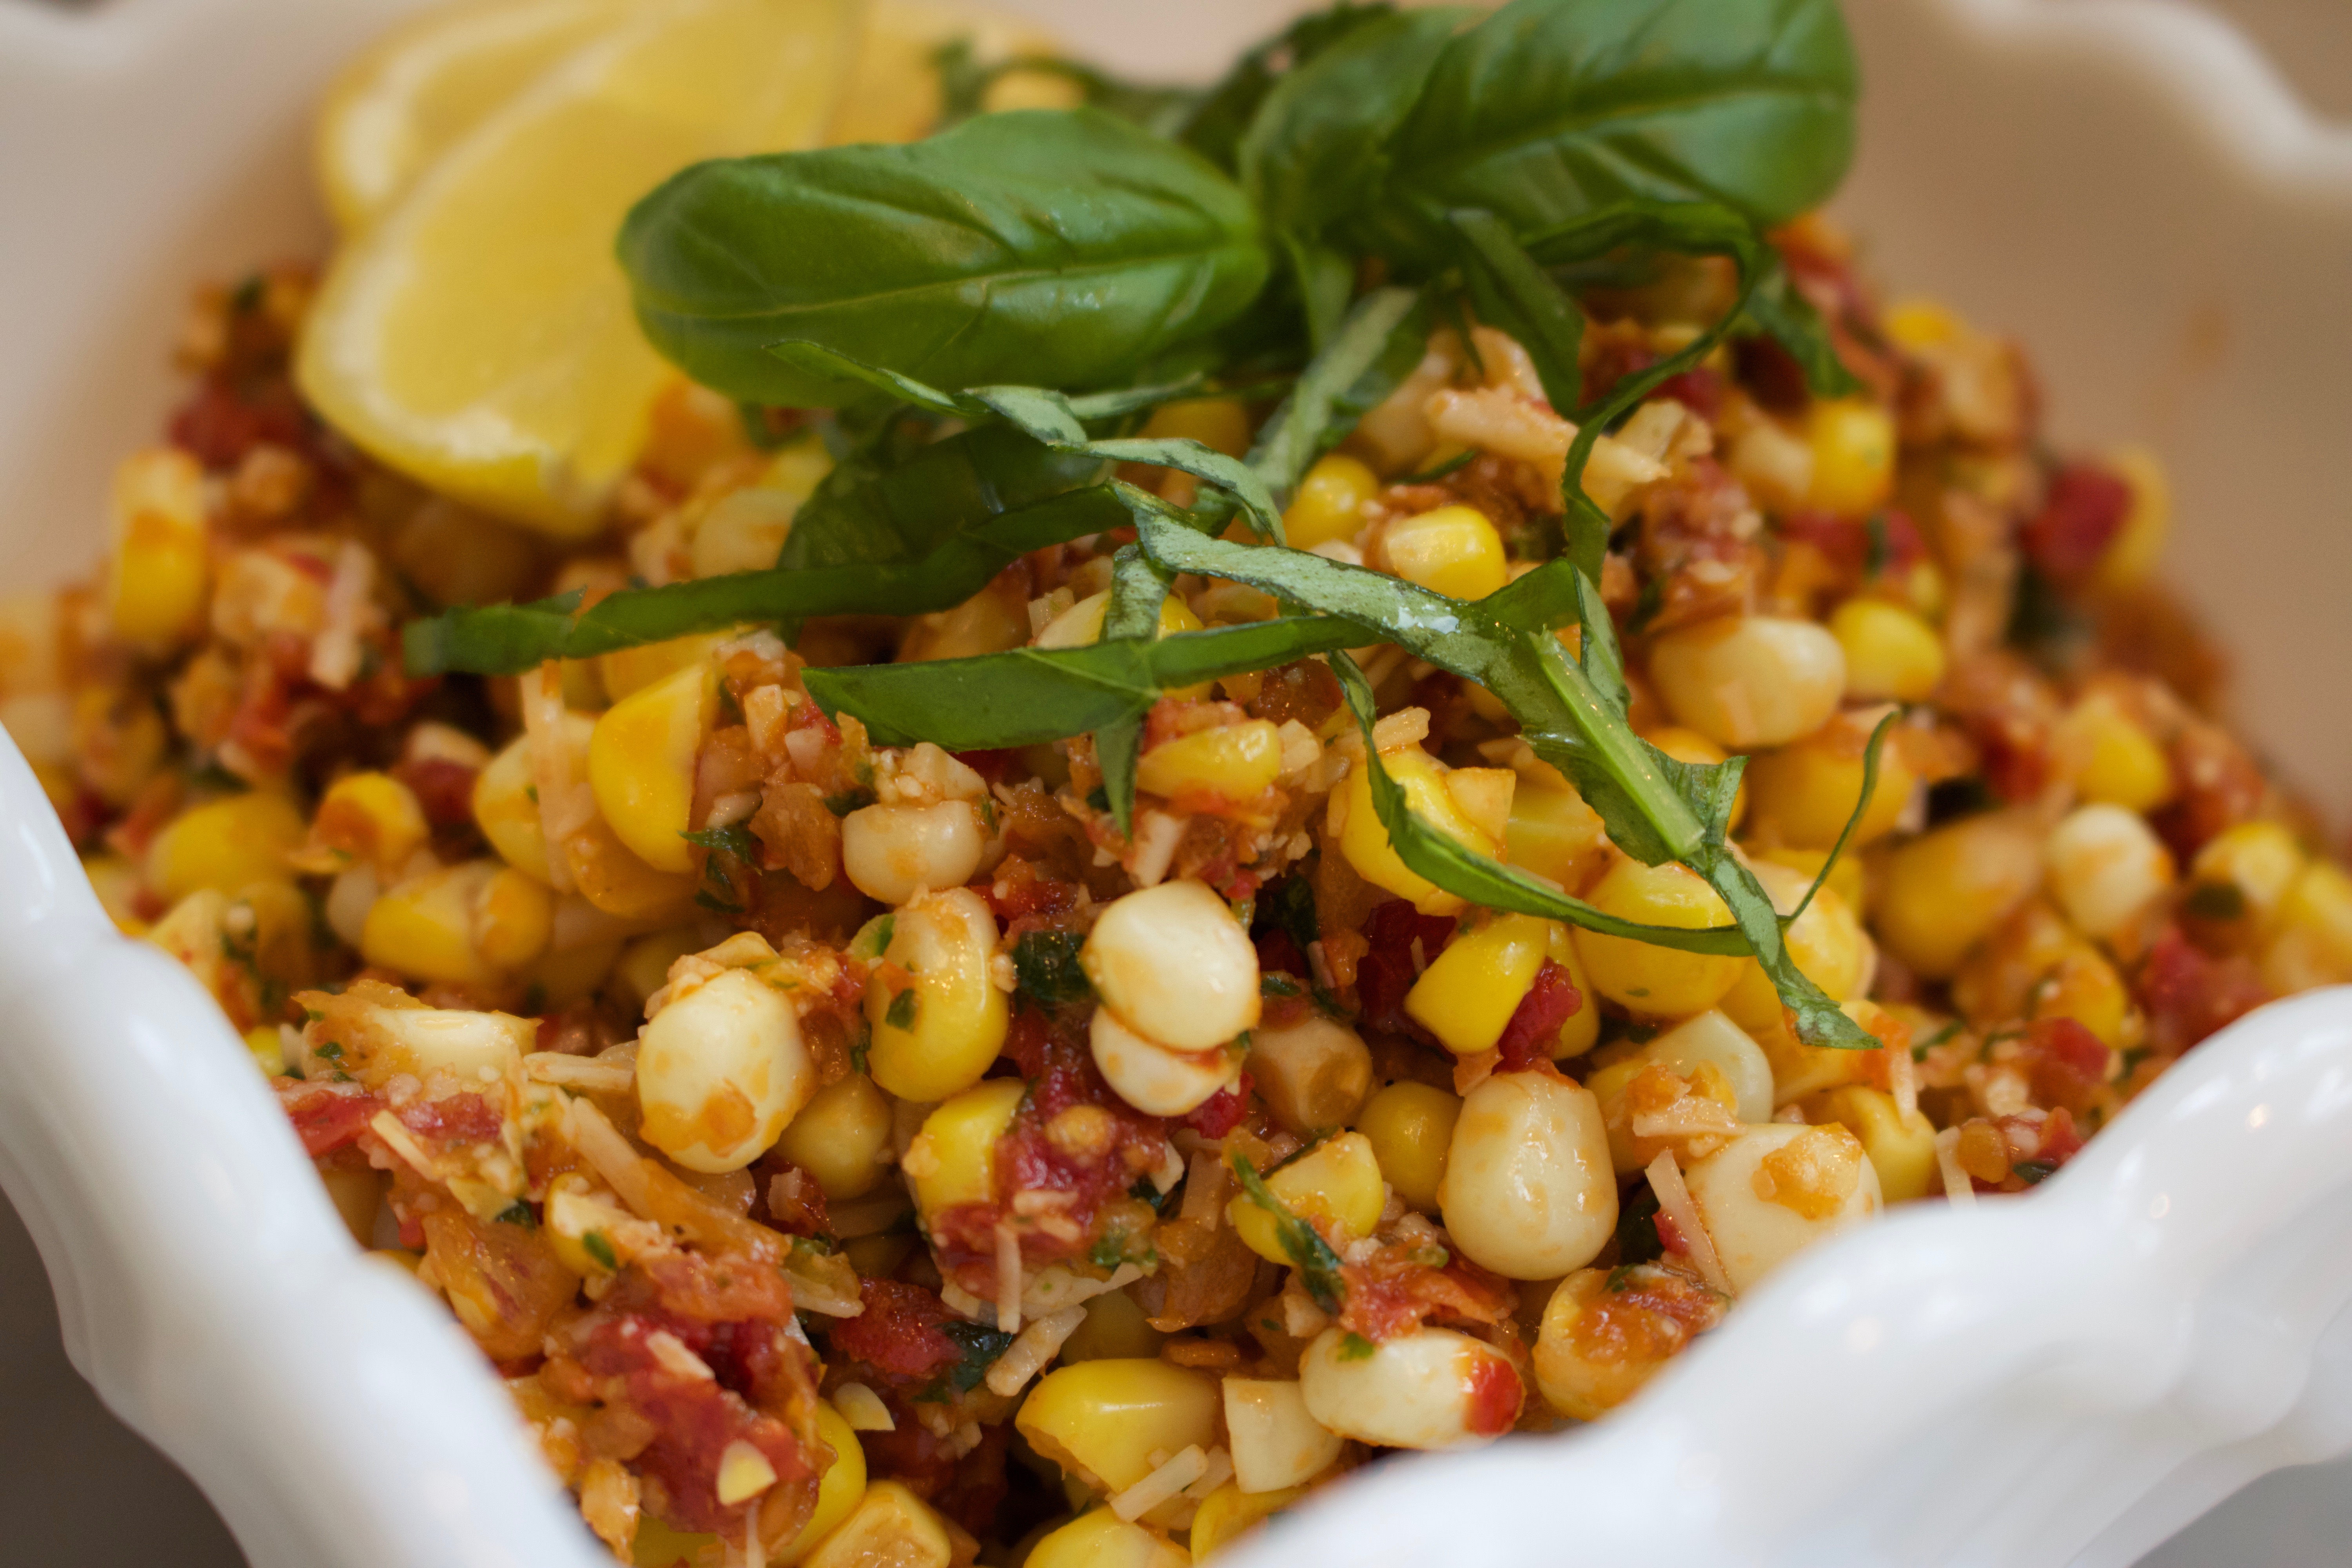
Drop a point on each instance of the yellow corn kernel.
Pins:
(1229, 1511)
(627, 670)
(1658, 982)
(1945, 891)
(1410, 1125)
(1453, 551)
(2118, 763)
(641, 764)
(1100, 1539)
(1081, 625)
(269, 1048)
(1853, 456)
(512, 918)
(1336, 1182)
(1826, 941)
(424, 929)
(506, 798)
(2132, 557)
(1554, 833)
(1114, 1327)
(1845, 877)
(1365, 842)
(2313, 944)
(644, 965)
(1806, 791)
(1901, 1149)
(2084, 986)
(1219, 424)
(372, 818)
(1330, 503)
(226, 844)
(1231, 763)
(1800, 1069)
(1918, 324)
(841, 1137)
(614, 880)
(2252, 866)
(954, 1159)
(156, 563)
(1891, 654)
(890, 1524)
(1470, 990)
(838, 1492)
(1690, 746)
(942, 1040)
(1102, 1420)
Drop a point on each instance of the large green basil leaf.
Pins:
(1318, 146)
(1221, 119)
(1375, 347)
(1551, 107)
(1060, 247)
(885, 502)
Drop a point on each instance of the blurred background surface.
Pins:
(77, 1487)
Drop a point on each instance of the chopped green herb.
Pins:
(1317, 1265)
(600, 1249)
(981, 1346)
(864, 1044)
(707, 900)
(2034, 1173)
(1919, 1050)
(901, 1011)
(331, 1051)
(848, 800)
(1274, 983)
(2217, 902)
(1046, 963)
(735, 839)
(519, 1213)
(1355, 1347)
(1098, 799)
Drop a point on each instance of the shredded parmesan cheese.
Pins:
(1008, 1279)
(1054, 1288)
(1204, 1189)
(1025, 1357)
(610, 1153)
(1903, 1081)
(1156, 839)
(386, 1126)
(863, 1408)
(675, 1359)
(1161, 1485)
(1957, 1186)
(592, 1073)
(1220, 1471)
(1674, 1203)
(335, 651)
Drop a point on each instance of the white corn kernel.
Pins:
(1175, 965)
(892, 852)
(1275, 1443)
(1744, 681)
(1433, 1388)
(1774, 1190)
(1529, 1191)
(2106, 864)
(1151, 1077)
(720, 1071)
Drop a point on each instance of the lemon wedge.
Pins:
(417, 91)
(477, 334)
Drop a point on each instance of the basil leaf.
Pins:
(1065, 246)
(1819, 1020)
(1549, 108)
(964, 84)
(1374, 348)
(1027, 696)
(1317, 1265)
(1053, 420)
(885, 502)
(1046, 963)
(507, 640)
(1515, 294)
(1224, 113)
(1788, 318)
(1460, 870)
(1870, 759)
(1318, 147)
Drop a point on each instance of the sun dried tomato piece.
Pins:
(2190, 995)
(2069, 1063)
(1222, 1111)
(898, 1334)
(2080, 517)
(1388, 970)
(1550, 1002)
(325, 1118)
(1495, 1393)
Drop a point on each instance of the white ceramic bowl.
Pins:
(2068, 1378)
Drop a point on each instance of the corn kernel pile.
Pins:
(856, 1154)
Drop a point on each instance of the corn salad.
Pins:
(855, 1153)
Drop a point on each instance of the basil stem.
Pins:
(1317, 1265)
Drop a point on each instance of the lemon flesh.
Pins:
(398, 106)
(478, 335)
